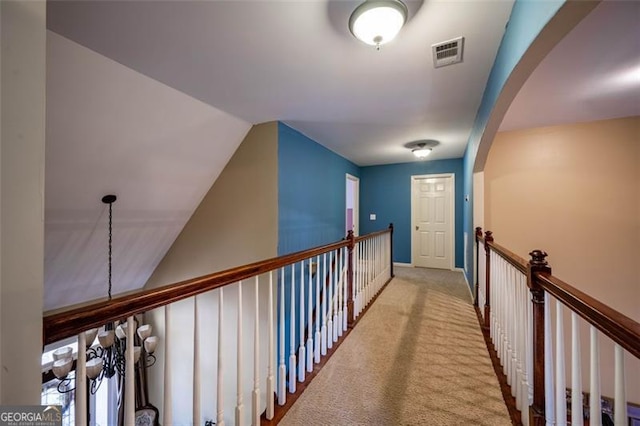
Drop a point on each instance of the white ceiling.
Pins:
(592, 74)
(296, 61)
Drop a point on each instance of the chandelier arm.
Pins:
(151, 360)
(63, 386)
(95, 384)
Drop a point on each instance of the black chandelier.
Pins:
(108, 357)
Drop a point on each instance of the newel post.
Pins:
(391, 248)
(488, 238)
(537, 264)
(350, 247)
(478, 236)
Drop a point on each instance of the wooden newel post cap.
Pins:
(478, 231)
(538, 259)
(488, 236)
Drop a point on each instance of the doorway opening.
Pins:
(352, 205)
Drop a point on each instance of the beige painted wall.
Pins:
(574, 191)
(236, 223)
(23, 42)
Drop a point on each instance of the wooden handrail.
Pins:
(60, 325)
(617, 326)
(372, 235)
(518, 262)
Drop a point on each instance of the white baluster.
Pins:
(239, 390)
(561, 386)
(219, 388)
(528, 352)
(376, 266)
(577, 414)
(310, 320)
(378, 270)
(329, 305)
(336, 296)
(340, 291)
(81, 381)
(509, 323)
(316, 347)
(272, 349)
(196, 364)
(336, 292)
(521, 300)
(354, 284)
(130, 378)
(367, 275)
(549, 387)
(517, 333)
(363, 281)
(595, 405)
(505, 319)
(514, 331)
(167, 406)
(282, 369)
(292, 332)
(323, 305)
(302, 352)
(620, 408)
(493, 285)
(371, 264)
(345, 253)
(255, 396)
(358, 281)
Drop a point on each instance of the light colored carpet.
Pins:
(417, 357)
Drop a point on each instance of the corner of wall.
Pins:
(533, 30)
(236, 222)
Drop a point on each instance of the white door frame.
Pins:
(356, 203)
(452, 213)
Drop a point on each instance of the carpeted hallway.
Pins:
(417, 357)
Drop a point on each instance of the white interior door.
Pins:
(432, 203)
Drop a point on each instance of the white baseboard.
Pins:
(466, 281)
(407, 265)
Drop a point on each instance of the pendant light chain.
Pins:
(110, 244)
(110, 199)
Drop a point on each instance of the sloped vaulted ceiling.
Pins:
(113, 130)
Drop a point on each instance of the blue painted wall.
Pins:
(311, 192)
(386, 191)
(311, 205)
(527, 19)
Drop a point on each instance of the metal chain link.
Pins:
(110, 224)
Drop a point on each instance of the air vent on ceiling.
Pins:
(448, 52)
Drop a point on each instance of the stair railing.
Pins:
(524, 306)
(292, 309)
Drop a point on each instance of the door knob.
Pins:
(417, 228)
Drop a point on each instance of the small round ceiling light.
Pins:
(421, 151)
(376, 22)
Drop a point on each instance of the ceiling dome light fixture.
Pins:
(421, 151)
(377, 22)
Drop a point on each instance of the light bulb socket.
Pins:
(109, 199)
